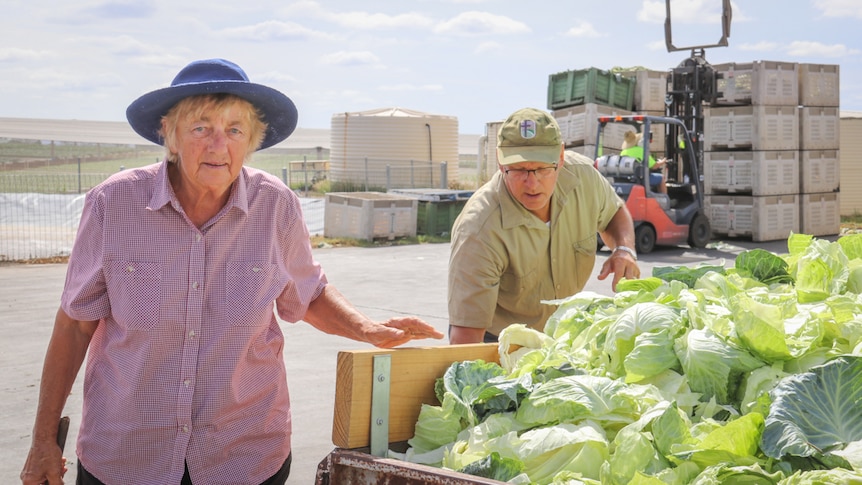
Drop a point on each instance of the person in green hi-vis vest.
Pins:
(633, 147)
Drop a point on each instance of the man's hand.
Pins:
(622, 265)
(400, 330)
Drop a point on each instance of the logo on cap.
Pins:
(528, 129)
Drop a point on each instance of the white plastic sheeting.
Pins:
(36, 226)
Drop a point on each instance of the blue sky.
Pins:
(477, 60)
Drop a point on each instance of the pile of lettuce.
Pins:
(706, 375)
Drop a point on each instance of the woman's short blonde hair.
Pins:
(194, 106)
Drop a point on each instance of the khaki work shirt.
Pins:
(504, 260)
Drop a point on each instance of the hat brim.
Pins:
(542, 154)
(279, 113)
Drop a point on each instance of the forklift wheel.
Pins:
(699, 231)
(644, 238)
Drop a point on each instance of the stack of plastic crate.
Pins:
(577, 98)
(819, 177)
(751, 151)
(649, 99)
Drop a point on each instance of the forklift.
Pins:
(678, 217)
(672, 219)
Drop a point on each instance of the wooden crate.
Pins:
(369, 215)
(819, 171)
(413, 372)
(751, 128)
(766, 218)
(820, 214)
(759, 83)
(819, 128)
(818, 85)
(774, 172)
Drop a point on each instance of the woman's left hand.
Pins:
(400, 330)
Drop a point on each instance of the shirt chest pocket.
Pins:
(519, 291)
(252, 287)
(135, 293)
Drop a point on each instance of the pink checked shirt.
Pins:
(186, 365)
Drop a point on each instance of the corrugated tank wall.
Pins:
(850, 156)
(410, 143)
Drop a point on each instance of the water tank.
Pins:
(392, 148)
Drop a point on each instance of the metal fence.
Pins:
(39, 212)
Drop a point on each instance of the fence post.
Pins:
(444, 175)
(305, 173)
(388, 177)
(284, 176)
(79, 169)
(431, 172)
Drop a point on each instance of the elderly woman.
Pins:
(171, 287)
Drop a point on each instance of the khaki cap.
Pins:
(529, 135)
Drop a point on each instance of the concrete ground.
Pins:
(381, 282)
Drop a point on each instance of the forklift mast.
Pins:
(689, 86)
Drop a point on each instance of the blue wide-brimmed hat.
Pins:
(211, 76)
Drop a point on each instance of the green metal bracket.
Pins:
(380, 405)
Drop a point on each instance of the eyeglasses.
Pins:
(521, 174)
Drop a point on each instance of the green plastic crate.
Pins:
(577, 87)
(435, 218)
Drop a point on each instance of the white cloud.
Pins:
(839, 8)
(360, 20)
(684, 11)
(481, 23)
(17, 54)
(583, 29)
(762, 46)
(351, 58)
(123, 45)
(405, 87)
(486, 47)
(174, 60)
(272, 30)
(275, 77)
(817, 49)
(657, 45)
(51, 79)
(652, 11)
(373, 21)
(120, 9)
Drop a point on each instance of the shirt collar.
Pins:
(514, 214)
(163, 192)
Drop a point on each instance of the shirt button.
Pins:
(185, 428)
(130, 268)
(197, 237)
(192, 334)
(187, 382)
(195, 285)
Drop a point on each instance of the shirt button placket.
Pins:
(191, 346)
